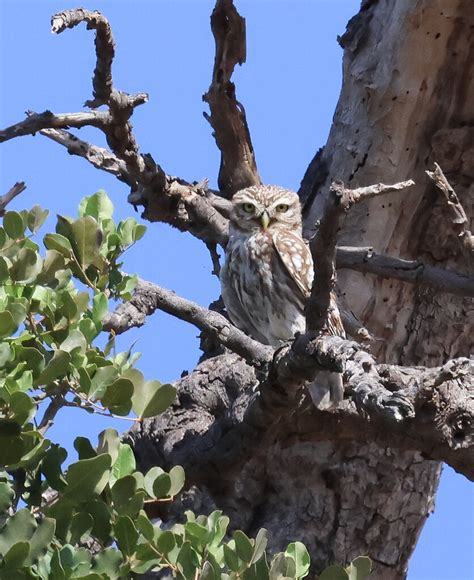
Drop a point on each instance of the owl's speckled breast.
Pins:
(256, 290)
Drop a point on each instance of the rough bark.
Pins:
(402, 107)
(356, 480)
(397, 114)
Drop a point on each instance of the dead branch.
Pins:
(99, 157)
(104, 46)
(150, 297)
(238, 168)
(11, 194)
(323, 246)
(47, 120)
(412, 271)
(459, 219)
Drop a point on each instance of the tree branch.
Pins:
(11, 194)
(99, 157)
(459, 219)
(238, 168)
(428, 410)
(150, 297)
(411, 271)
(104, 46)
(323, 246)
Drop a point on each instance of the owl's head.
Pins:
(265, 207)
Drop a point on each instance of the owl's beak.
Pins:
(265, 219)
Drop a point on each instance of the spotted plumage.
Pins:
(268, 274)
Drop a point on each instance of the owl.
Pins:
(268, 273)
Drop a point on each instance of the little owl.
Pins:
(268, 274)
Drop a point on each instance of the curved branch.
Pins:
(104, 48)
(11, 194)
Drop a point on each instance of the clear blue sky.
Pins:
(289, 87)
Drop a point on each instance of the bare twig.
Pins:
(57, 402)
(48, 120)
(238, 168)
(11, 194)
(104, 46)
(323, 246)
(459, 219)
(412, 271)
(99, 157)
(216, 265)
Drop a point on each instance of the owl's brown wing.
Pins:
(296, 257)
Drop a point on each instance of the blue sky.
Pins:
(289, 87)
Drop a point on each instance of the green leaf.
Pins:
(7, 324)
(334, 572)
(123, 490)
(81, 525)
(177, 480)
(19, 527)
(56, 368)
(124, 464)
(88, 329)
(15, 558)
(41, 539)
(300, 555)
(102, 377)
(118, 396)
(75, 340)
(6, 496)
(13, 224)
(84, 448)
(108, 562)
(59, 243)
(22, 407)
(360, 568)
(109, 442)
(231, 558)
(36, 218)
(188, 560)
(26, 267)
(87, 477)
(197, 531)
(86, 239)
(126, 534)
(99, 206)
(152, 398)
(4, 272)
(259, 548)
(18, 312)
(243, 546)
(165, 542)
(51, 466)
(138, 232)
(282, 567)
(162, 485)
(100, 307)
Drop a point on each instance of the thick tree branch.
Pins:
(323, 245)
(238, 168)
(11, 194)
(428, 410)
(459, 220)
(412, 271)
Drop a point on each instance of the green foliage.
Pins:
(52, 305)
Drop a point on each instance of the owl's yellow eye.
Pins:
(282, 207)
(248, 207)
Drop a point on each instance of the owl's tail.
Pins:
(327, 390)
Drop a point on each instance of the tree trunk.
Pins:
(404, 104)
